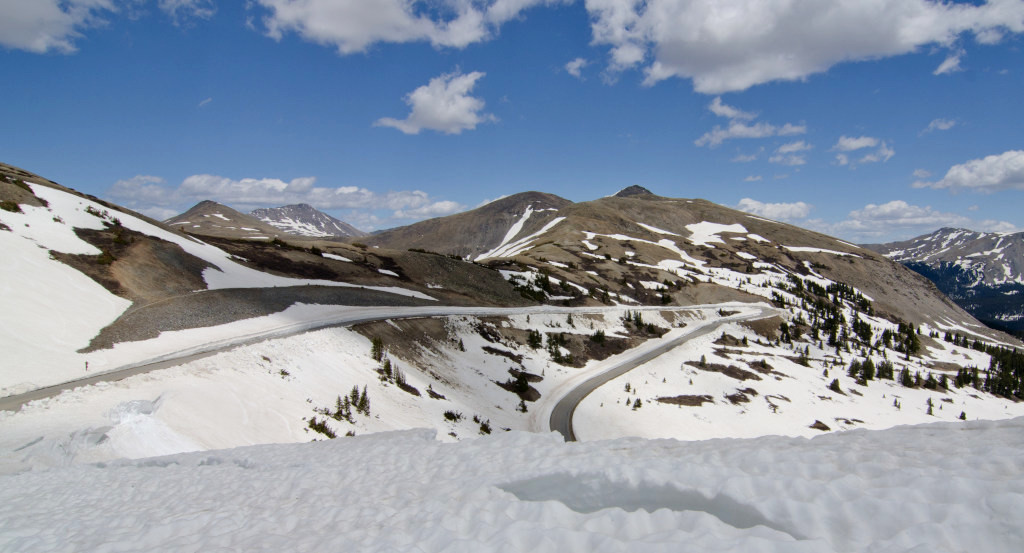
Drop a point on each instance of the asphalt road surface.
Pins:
(561, 415)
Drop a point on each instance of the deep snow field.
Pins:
(935, 488)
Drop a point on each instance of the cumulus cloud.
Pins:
(939, 125)
(355, 25)
(732, 45)
(575, 67)
(443, 105)
(922, 173)
(992, 173)
(847, 144)
(779, 211)
(153, 196)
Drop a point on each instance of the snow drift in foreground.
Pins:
(939, 487)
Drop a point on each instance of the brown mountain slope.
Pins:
(474, 232)
(210, 218)
(625, 248)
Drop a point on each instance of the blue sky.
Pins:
(870, 121)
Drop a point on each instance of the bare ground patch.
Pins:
(732, 371)
(687, 400)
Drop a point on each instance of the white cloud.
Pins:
(852, 144)
(951, 64)
(158, 213)
(849, 143)
(443, 105)
(789, 154)
(778, 211)
(435, 209)
(739, 129)
(355, 25)
(575, 67)
(793, 147)
(752, 178)
(922, 173)
(898, 220)
(183, 10)
(141, 190)
(204, 102)
(747, 158)
(42, 26)
(732, 45)
(990, 174)
(883, 153)
(722, 110)
(939, 125)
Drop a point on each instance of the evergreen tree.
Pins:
(377, 348)
(534, 340)
(867, 369)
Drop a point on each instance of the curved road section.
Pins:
(561, 414)
(342, 316)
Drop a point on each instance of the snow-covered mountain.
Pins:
(723, 325)
(982, 271)
(305, 220)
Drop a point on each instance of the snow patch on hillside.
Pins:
(805, 249)
(514, 248)
(705, 233)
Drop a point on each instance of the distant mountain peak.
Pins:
(635, 190)
(306, 220)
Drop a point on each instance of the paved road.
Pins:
(345, 316)
(561, 414)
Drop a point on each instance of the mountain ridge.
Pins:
(983, 272)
